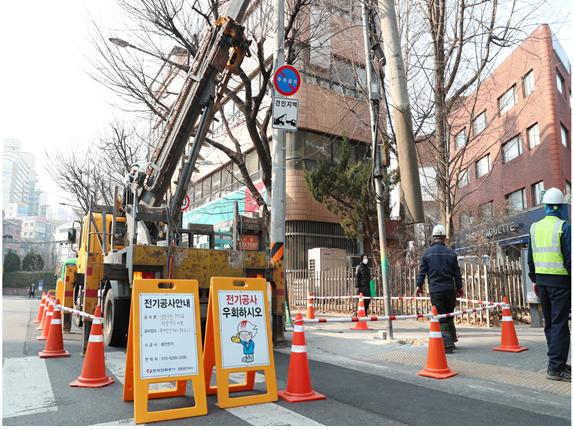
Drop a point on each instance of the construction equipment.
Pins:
(141, 235)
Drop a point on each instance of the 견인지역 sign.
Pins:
(285, 114)
(164, 345)
(238, 339)
(286, 80)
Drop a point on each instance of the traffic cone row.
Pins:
(509, 342)
(93, 371)
(55, 345)
(309, 307)
(299, 386)
(46, 322)
(45, 311)
(361, 325)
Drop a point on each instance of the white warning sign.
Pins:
(285, 114)
(242, 317)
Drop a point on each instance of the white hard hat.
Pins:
(439, 230)
(553, 196)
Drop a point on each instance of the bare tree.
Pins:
(450, 46)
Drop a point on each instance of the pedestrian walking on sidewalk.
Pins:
(440, 264)
(31, 291)
(549, 260)
(363, 277)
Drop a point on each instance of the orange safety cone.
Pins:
(55, 344)
(299, 386)
(437, 365)
(47, 322)
(361, 325)
(93, 371)
(509, 342)
(41, 309)
(41, 326)
(309, 307)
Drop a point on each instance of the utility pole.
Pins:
(374, 104)
(400, 112)
(278, 160)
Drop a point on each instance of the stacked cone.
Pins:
(299, 386)
(47, 322)
(361, 325)
(41, 309)
(437, 365)
(55, 344)
(93, 371)
(45, 314)
(309, 307)
(509, 341)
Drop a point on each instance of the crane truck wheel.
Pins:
(115, 320)
(78, 305)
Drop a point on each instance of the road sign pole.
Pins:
(278, 191)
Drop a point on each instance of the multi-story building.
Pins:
(62, 248)
(331, 107)
(512, 140)
(11, 231)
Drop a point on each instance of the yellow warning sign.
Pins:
(238, 340)
(164, 345)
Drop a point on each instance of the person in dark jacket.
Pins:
(363, 281)
(549, 261)
(440, 264)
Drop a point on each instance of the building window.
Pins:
(482, 166)
(465, 221)
(511, 149)
(480, 123)
(528, 83)
(507, 100)
(463, 178)
(485, 211)
(461, 139)
(560, 82)
(568, 191)
(564, 136)
(537, 191)
(533, 136)
(516, 201)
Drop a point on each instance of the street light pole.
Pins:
(125, 44)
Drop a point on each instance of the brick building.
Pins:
(512, 137)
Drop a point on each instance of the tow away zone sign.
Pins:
(285, 114)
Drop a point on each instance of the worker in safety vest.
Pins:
(440, 264)
(549, 259)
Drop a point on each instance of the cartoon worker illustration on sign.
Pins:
(246, 331)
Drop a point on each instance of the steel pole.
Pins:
(374, 104)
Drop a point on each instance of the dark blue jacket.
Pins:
(553, 280)
(440, 264)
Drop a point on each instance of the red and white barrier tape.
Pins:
(71, 310)
(393, 317)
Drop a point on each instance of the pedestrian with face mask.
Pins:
(363, 277)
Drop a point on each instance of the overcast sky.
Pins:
(49, 102)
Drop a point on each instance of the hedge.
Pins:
(25, 279)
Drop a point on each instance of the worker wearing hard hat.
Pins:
(549, 259)
(440, 264)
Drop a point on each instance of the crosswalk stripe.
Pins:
(26, 387)
(258, 415)
(271, 414)
(125, 422)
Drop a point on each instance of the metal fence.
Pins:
(481, 282)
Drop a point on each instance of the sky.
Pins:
(49, 102)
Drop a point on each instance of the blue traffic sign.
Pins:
(287, 80)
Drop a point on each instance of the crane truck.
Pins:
(140, 235)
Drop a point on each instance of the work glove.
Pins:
(536, 290)
(459, 293)
(419, 291)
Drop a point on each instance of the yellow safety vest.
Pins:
(546, 246)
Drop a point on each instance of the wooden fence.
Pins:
(481, 282)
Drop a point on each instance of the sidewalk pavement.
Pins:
(515, 379)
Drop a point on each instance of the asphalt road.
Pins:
(36, 392)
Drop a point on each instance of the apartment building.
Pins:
(514, 137)
(331, 107)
